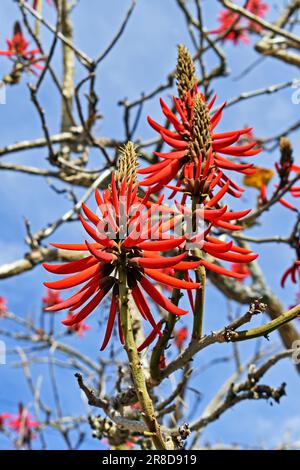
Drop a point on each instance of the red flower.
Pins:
(258, 8)
(293, 272)
(231, 22)
(3, 306)
(285, 171)
(192, 157)
(181, 336)
(22, 423)
(78, 328)
(124, 240)
(17, 48)
(241, 268)
(51, 298)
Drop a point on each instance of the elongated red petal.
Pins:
(91, 287)
(75, 280)
(72, 267)
(159, 262)
(160, 299)
(171, 155)
(80, 316)
(220, 270)
(171, 281)
(90, 215)
(143, 307)
(103, 240)
(110, 323)
(74, 246)
(101, 255)
(151, 337)
(162, 245)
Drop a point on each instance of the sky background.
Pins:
(138, 63)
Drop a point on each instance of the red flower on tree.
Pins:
(181, 336)
(18, 50)
(128, 255)
(198, 152)
(258, 8)
(79, 328)
(51, 297)
(241, 268)
(23, 425)
(293, 272)
(231, 28)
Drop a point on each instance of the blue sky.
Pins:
(140, 61)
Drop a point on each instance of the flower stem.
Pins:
(199, 300)
(138, 377)
(200, 273)
(163, 340)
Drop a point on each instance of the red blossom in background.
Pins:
(241, 268)
(181, 336)
(234, 28)
(293, 272)
(231, 22)
(51, 298)
(23, 425)
(18, 49)
(3, 306)
(79, 328)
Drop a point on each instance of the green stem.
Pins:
(138, 377)
(162, 341)
(264, 330)
(200, 273)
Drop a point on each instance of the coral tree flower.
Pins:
(258, 8)
(79, 328)
(197, 150)
(181, 336)
(241, 268)
(23, 424)
(287, 171)
(18, 49)
(51, 297)
(130, 249)
(231, 28)
(293, 272)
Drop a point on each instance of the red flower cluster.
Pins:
(181, 336)
(233, 28)
(79, 328)
(187, 152)
(290, 172)
(18, 50)
(51, 297)
(241, 268)
(136, 254)
(293, 272)
(22, 424)
(131, 239)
